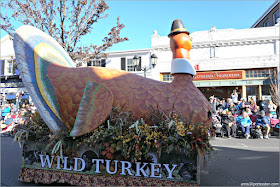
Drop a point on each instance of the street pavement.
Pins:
(235, 161)
(238, 161)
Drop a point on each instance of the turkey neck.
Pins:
(182, 79)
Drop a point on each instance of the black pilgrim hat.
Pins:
(177, 27)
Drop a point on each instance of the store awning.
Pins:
(9, 97)
(25, 97)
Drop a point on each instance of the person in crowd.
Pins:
(227, 103)
(261, 103)
(5, 111)
(242, 106)
(234, 97)
(27, 107)
(251, 99)
(232, 108)
(8, 119)
(213, 104)
(244, 122)
(237, 107)
(220, 107)
(263, 122)
(270, 107)
(23, 109)
(255, 111)
(224, 102)
(252, 105)
(22, 120)
(249, 112)
(229, 123)
(33, 108)
(13, 110)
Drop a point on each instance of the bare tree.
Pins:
(274, 88)
(65, 21)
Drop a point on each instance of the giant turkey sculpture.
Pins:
(82, 98)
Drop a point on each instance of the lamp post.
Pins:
(136, 61)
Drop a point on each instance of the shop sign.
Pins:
(217, 75)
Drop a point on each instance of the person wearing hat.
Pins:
(213, 104)
(263, 122)
(180, 44)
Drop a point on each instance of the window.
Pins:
(266, 89)
(97, 63)
(252, 91)
(9, 66)
(275, 17)
(262, 73)
(130, 66)
(167, 78)
(266, 23)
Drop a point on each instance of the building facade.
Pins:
(226, 59)
(11, 84)
(269, 17)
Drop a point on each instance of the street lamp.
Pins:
(154, 60)
(136, 60)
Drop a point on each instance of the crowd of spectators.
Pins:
(13, 115)
(232, 115)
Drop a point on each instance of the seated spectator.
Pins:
(220, 107)
(255, 111)
(8, 119)
(263, 122)
(22, 120)
(232, 108)
(252, 105)
(22, 112)
(244, 122)
(249, 111)
(5, 111)
(229, 124)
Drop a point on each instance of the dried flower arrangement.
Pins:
(124, 137)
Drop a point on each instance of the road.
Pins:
(235, 161)
(239, 161)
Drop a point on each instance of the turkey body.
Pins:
(135, 93)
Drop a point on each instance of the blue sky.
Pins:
(142, 17)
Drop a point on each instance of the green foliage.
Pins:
(124, 137)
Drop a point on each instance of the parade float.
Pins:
(102, 126)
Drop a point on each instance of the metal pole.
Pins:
(145, 72)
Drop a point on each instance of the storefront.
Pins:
(248, 83)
